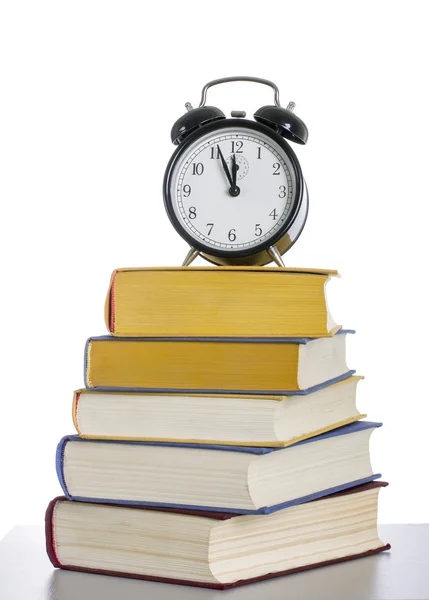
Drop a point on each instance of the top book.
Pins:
(219, 302)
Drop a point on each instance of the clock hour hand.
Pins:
(234, 171)
(233, 190)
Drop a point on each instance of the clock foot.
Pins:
(276, 256)
(190, 257)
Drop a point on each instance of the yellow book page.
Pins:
(218, 302)
(192, 365)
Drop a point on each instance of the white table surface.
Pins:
(400, 574)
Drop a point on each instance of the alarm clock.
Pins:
(234, 189)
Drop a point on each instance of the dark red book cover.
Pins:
(50, 544)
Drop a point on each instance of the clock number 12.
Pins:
(236, 147)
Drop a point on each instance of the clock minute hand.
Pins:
(225, 167)
(234, 190)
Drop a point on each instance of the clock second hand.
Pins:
(233, 190)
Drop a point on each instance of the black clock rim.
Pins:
(217, 125)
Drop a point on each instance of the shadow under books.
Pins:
(329, 582)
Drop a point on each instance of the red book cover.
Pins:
(50, 544)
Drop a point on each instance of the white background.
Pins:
(89, 92)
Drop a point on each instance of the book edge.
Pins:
(298, 340)
(220, 586)
(271, 444)
(293, 270)
(347, 429)
(212, 391)
(276, 397)
(343, 488)
(220, 516)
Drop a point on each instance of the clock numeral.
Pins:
(231, 235)
(282, 192)
(192, 212)
(186, 191)
(258, 230)
(197, 168)
(214, 152)
(259, 152)
(210, 226)
(236, 147)
(276, 167)
(273, 214)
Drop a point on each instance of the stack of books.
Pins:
(218, 441)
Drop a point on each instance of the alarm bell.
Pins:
(192, 120)
(282, 120)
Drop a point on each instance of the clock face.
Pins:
(232, 189)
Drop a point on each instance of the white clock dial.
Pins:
(200, 189)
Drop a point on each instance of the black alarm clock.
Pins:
(234, 189)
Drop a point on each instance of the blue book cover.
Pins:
(345, 430)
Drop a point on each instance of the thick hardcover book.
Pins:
(215, 365)
(212, 549)
(219, 301)
(234, 419)
(245, 480)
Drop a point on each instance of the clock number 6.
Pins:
(231, 235)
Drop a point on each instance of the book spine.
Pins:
(86, 364)
(109, 306)
(50, 534)
(112, 304)
(75, 405)
(59, 465)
